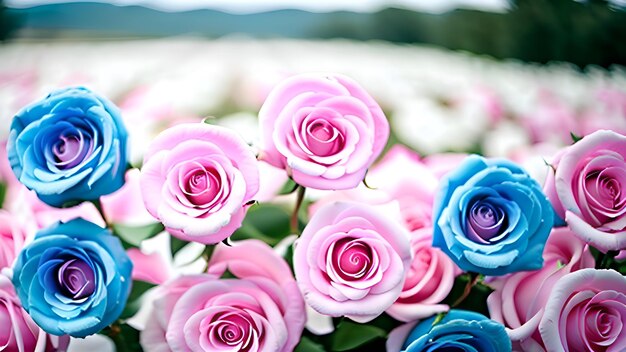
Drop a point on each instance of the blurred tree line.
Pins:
(580, 32)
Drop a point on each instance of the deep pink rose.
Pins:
(197, 180)
(325, 130)
(18, 332)
(428, 280)
(586, 311)
(254, 260)
(203, 313)
(12, 237)
(590, 183)
(519, 299)
(351, 260)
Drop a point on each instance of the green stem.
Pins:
(473, 280)
(294, 216)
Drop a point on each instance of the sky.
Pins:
(251, 6)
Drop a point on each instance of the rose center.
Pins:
(76, 279)
(233, 328)
(484, 221)
(323, 139)
(352, 258)
(201, 185)
(69, 150)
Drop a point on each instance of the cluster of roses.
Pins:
(396, 249)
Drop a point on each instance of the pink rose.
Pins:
(401, 177)
(254, 260)
(18, 332)
(519, 300)
(351, 260)
(428, 280)
(12, 238)
(126, 206)
(586, 310)
(590, 182)
(150, 268)
(197, 180)
(202, 313)
(324, 130)
(153, 336)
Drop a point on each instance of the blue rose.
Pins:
(70, 146)
(491, 217)
(459, 330)
(74, 278)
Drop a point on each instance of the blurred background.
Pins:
(503, 78)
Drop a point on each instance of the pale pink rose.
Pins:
(586, 311)
(18, 332)
(153, 336)
(325, 130)
(197, 179)
(406, 179)
(126, 206)
(590, 182)
(254, 260)
(12, 237)
(400, 176)
(150, 268)
(428, 281)
(351, 260)
(203, 313)
(519, 299)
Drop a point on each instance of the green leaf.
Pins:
(176, 244)
(266, 222)
(3, 193)
(307, 345)
(134, 299)
(575, 137)
(350, 335)
(133, 235)
(289, 187)
(124, 336)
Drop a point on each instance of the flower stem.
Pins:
(294, 216)
(473, 280)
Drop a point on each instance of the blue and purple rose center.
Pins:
(486, 220)
(76, 279)
(67, 146)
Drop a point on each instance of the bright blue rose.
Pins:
(70, 146)
(491, 217)
(459, 330)
(73, 279)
